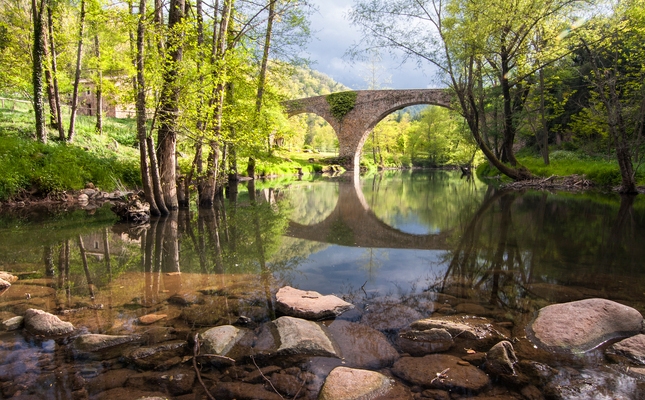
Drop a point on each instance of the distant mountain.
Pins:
(305, 82)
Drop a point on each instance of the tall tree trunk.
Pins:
(169, 106)
(207, 197)
(54, 67)
(545, 129)
(156, 179)
(49, 87)
(140, 88)
(37, 71)
(99, 86)
(77, 75)
(509, 124)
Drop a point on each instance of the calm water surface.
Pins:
(390, 238)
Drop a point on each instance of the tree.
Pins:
(613, 47)
(38, 10)
(77, 75)
(458, 38)
(169, 104)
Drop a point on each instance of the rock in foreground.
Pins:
(347, 383)
(580, 326)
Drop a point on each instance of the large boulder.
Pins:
(441, 371)
(295, 338)
(580, 326)
(309, 304)
(42, 323)
(347, 383)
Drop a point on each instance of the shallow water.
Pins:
(431, 243)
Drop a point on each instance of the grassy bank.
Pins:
(109, 160)
(601, 171)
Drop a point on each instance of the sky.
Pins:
(332, 37)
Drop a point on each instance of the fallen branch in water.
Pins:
(265, 378)
(199, 375)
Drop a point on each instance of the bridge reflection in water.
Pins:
(352, 223)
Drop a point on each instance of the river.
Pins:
(398, 245)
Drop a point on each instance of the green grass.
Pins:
(603, 172)
(108, 161)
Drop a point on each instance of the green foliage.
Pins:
(341, 104)
(42, 169)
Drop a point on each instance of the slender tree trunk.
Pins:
(54, 67)
(545, 130)
(77, 75)
(49, 79)
(207, 196)
(509, 124)
(99, 86)
(37, 71)
(169, 106)
(156, 179)
(140, 88)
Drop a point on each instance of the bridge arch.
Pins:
(370, 108)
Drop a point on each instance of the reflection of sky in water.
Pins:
(411, 224)
(337, 269)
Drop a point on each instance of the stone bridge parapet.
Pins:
(370, 108)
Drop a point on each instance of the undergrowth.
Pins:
(108, 161)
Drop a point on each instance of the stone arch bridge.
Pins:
(370, 108)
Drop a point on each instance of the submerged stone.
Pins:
(501, 359)
(389, 317)
(580, 326)
(4, 285)
(96, 346)
(160, 357)
(441, 371)
(309, 304)
(362, 346)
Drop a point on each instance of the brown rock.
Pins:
(583, 325)
(632, 348)
(420, 343)
(309, 304)
(440, 371)
(362, 346)
(176, 382)
(348, 383)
